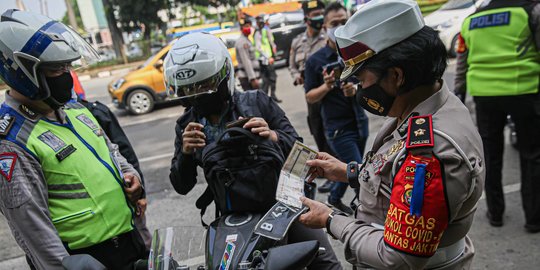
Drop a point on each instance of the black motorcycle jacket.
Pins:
(183, 174)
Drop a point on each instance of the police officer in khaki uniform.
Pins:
(305, 44)
(248, 64)
(421, 181)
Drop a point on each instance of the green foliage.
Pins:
(214, 3)
(132, 14)
(65, 19)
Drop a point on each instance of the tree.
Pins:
(116, 34)
(140, 14)
(229, 15)
(78, 19)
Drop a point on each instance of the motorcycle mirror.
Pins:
(82, 262)
(291, 257)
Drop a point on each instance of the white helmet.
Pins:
(197, 64)
(29, 42)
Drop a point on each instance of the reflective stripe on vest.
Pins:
(503, 59)
(265, 44)
(86, 199)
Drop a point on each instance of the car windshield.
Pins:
(457, 4)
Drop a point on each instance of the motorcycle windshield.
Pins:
(177, 248)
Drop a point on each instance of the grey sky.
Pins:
(57, 8)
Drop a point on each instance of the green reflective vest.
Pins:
(266, 46)
(85, 187)
(503, 59)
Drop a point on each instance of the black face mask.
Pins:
(374, 99)
(211, 104)
(61, 89)
(316, 22)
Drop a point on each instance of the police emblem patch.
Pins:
(7, 164)
(51, 140)
(407, 194)
(87, 121)
(5, 124)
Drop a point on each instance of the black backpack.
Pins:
(242, 170)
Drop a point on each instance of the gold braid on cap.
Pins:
(359, 58)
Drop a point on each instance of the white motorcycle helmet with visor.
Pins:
(32, 46)
(197, 65)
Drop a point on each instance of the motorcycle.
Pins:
(233, 241)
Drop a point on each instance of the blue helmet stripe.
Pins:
(37, 44)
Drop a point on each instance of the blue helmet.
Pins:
(30, 41)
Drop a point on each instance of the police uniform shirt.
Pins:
(302, 47)
(369, 241)
(24, 199)
(248, 66)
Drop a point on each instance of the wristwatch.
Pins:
(329, 220)
(352, 174)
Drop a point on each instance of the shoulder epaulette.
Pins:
(420, 132)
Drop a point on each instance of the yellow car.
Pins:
(141, 89)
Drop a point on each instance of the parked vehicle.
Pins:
(141, 89)
(285, 27)
(106, 55)
(448, 20)
(134, 50)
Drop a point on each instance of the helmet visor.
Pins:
(206, 86)
(71, 47)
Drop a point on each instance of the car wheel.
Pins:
(453, 47)
(140, 102)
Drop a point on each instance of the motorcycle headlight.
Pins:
(118, 83)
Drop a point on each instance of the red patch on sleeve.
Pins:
(7, 164)
(461, 46)
(417, 235)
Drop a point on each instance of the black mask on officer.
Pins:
(60, 89)
(374, 99)
(316, 22)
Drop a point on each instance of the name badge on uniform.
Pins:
(87, 121)
(70, 149)
(51, 140)
(27, 112)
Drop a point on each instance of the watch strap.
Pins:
(352, 174)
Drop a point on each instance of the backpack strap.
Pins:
(203, 202)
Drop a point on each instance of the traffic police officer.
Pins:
(64, 187)
(248, 64)
(265, 48)
(498, 65)
(421, 181)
